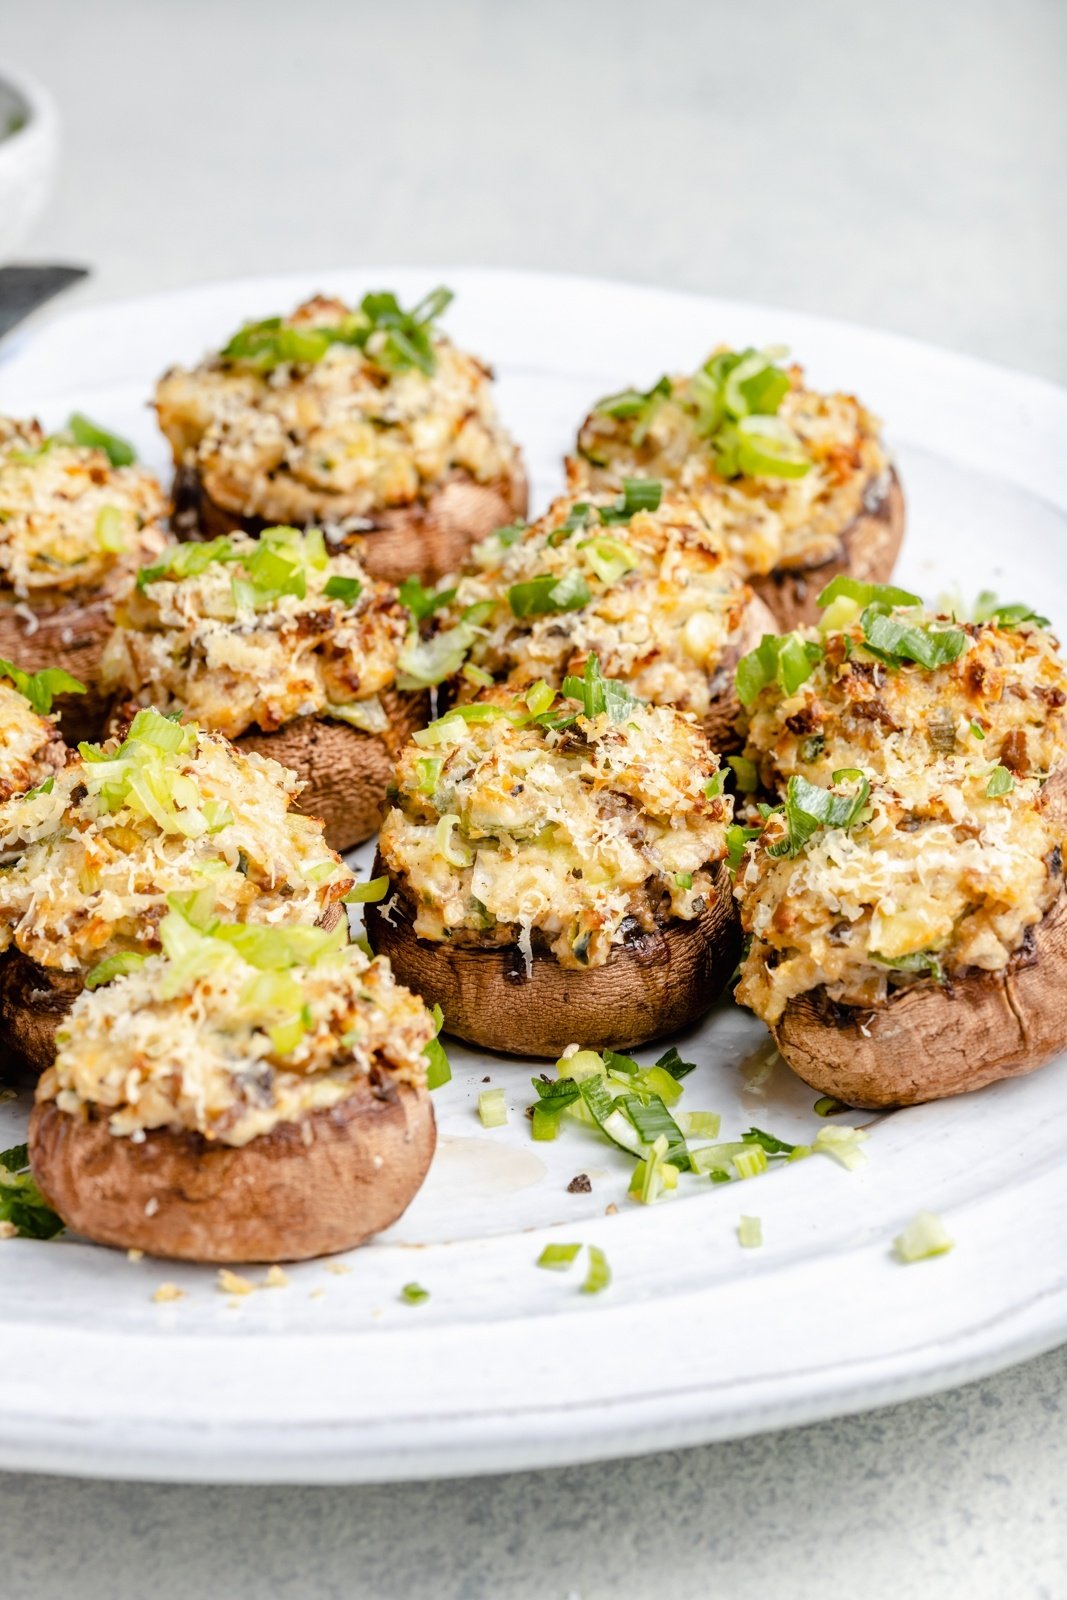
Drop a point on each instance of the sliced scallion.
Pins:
(492, 1108)
(924, 1237)
(558, 1257)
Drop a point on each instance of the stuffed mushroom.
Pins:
(93, 856)
(553, 869)
(797, 484)
(74, 528)
(284, 649)
(254, 1093)
(906, 903)
(636, 580)
(31, 747)
(360, 420)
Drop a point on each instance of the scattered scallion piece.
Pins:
(110, 535)
(347, 590)
(745, 774)
(558, 1257)
(828, 1106)
(115, 966)
(423, 602)
(865, 594)
(598, 694)
(438, 1070)
(492, 1108)
(413, 1294)
(925, 1236)
(785, 659)
(843, 1144)
(808, 808)
(750, 1232)
(548, 593)
(1000, 782)
(598, 1275)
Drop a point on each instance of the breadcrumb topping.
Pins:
(215, 648)
(664, 613)
(507, 829)
(765, 522)
(69, 520)
(335, 438)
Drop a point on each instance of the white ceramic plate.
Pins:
(333, 1377)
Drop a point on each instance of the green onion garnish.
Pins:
(558, 1257)
(785, 659)
(368, 893)
(865, 594)
(1000, 782)
(745, 773)
(413, 1294)
(40, 688)
(843, 1144)
(110, 535)
(423, 602)
(924, 1237)
(808, 808)
(598, 694)
(91, 436)
(438, 1070)
(546, 594)
(895, 642)
(22, 1204)
(341, 588)
(750, 1232)
(115, 966)
(492, 1108)
(598, 1276)
(829, 1106)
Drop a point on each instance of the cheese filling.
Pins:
(223, 1053)
(651, 595)
(124, 826)
(69, 520)
(506, 829)
(338, 436)
(764, 521)
(262, 633)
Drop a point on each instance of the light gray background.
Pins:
(899, 164)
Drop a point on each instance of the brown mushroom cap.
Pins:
(70, 635)
(430, 539)
(345, 771)
(654, 984)
(305, 1189)
(869, 549)
(927, 1042)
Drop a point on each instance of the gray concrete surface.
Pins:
(899, 164)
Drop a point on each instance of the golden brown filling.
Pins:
(300, 423)
(230, 1040)
(538, 820)
(957, 850)
(240, 633)
(69, 520)
(686, 435)
(649, 593)
(169, 811)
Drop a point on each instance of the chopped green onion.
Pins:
(558, 1257)
(895, 642)
(750, 1232)
(715, 784)
(91, 436)
(738, 838)
(598, 1275)
(429, 770)
(413, 1294)
(423, 602)
(539, 698)
(368, 893)
(609, 559)
(116, 966)
(438, 1070)
(338, 587)
(510, 535)
(700, 1124)
(598, 694)
(745, 773)
(843, 1144)
(683, 880)
(546, 594)
(22, 1204)
(492, 1108)
(924, 1237)
(40, 688)
(768, 447)
(865, 594)
(1000, 782)
(829, 1106)
(751, 1162)
(785, 659)
(987, 608)
(809, 808)
(110, 535)
(477, 675)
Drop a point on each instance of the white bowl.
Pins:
(29, 147)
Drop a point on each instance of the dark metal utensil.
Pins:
(23, 289)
